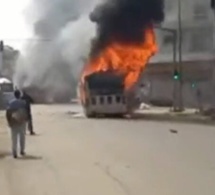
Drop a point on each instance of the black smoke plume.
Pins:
(124, 21)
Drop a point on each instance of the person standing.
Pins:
(28, 100)
(16, 115)
(144, 91)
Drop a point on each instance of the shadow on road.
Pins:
(31, 157)
(35, 135)
(79, 115)
(134, 117)
(4, 154)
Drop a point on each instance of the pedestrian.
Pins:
(16, 115)
(28, 100)
(141, 93)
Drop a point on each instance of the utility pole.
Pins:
(180, 68)
(1, 56)
(180, 92)
(1, 66)
(175, 65)
(175, 87)
(213, 65)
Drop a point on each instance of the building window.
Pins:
(169, 5)
(168, 39)
(201, 40)
(200, 12)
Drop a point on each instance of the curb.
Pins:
(179, 118)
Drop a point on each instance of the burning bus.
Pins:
(123, 45)
(103, 93)
(109, 81)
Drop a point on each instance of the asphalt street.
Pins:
(72, 155)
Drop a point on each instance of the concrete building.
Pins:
(197, 27)
(198, 53)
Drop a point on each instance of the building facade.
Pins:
(198, 29)
(198, 53)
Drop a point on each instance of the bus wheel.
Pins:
(90, 114)
(118, 116)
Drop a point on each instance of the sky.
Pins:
(13, 29)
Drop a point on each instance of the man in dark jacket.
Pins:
(29, 101)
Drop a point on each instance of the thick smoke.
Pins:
(125, 20)
(53, 59)
(63, 31)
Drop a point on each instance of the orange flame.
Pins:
(128, 59)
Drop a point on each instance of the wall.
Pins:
(160, 76)
(198, 30)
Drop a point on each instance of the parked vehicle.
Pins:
(6, 91)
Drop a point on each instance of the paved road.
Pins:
(77, 156)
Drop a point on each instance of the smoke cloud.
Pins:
(53, 59)
(124, 20)
(63, 31)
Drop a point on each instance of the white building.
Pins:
(198, 54)
(198, 31)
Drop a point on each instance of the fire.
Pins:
(128, 59)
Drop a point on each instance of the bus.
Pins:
(103, 93)
(6, 91)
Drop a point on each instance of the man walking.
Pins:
(28, 100)
(17, 117)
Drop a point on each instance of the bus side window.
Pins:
(118, 99)
(123, 100)
(109, 100)
(87, 102)
(102, 100)
(93, 100)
